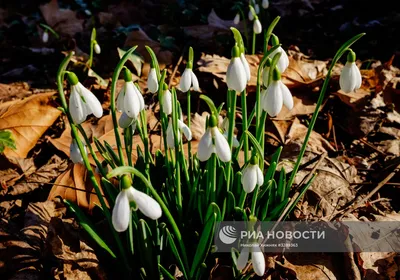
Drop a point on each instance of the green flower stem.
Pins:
(189, 112)
(254, 200)
(213, 177)
(128, 144)
(92, 43)
(128, 169)
(117, 71)
(177, 153)
(242, 199)
(253, 49)
(75, 135)
(232, 115)
(339, 53)
(245, 126)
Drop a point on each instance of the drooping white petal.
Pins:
(273, 101)
(121, 212)
(258, 261)
(125, 121)
(245, 66)
(236, 78)
(93, 105)
(205, 148)
(146, 204)
(75, 153)
(236, 20)
(140, 98)
(76, 106)
(257, 28)
(257, 8)
(195, 82)
(186, 80)
(45, 37)
(167, 102)
(283, 61)
(286, 96)
(131, 101)
(265, 4)
(249, 178)
(243, 258)
(185, 129)
(357, 77)
(221, 145)
(120, 99)
(260, 177)
(250, 15)
(235, 142)
(152, 82)
(265, 76)
(97, 48)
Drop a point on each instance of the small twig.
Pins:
(175, 69)
(372, 147)
(334, 137)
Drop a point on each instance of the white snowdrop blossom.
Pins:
(125, 121)
(45, 37)
(182, 127)
(276, 95)
(152, 81)
(121, 213)
(257, 28)
(257, 8)
(167, 101)
(251, 16)
(236, 77)
(257, 259)
(213, 142)
(225, 125)
(74, 152)
(188, 80)
(130, 101)
(283, 62)
(97, 48)
(236, 19)
(350, 77)
(265, 4)
(246, 66)
(252, 176)
(82, 102)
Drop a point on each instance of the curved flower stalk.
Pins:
(213, 142)
(236, 77)
(350, 77)
(130, 100)
(188, 79)
(252, 175)
(182, 127)
(257, 259)
(74, 152)
(265, 73)
(236, 19)
(121, 213)
(82, 102)
(283, 62)
(225, 125)
(276, 95)
(152, 81)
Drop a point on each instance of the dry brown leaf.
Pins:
(27, 119)
(62, 21)
(13, 91)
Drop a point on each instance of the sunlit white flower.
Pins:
(246, 66)
(251, 16)
(225, 125)
(236, 20)
(350, 77)
(257, 28)
(257, 8)
(125, 121)
(45, 37)
(152, 82)
(74, 152)
(213, 142)
(182, 127)
(167, 102)
(121, 213)
(236, 77)
(82, 101)
(283, 61)
(265, 4)
(97, 48)
(252, 176)
(266, 71)
(188, 80)
(257, 259)
(130, 100)
(276, 95)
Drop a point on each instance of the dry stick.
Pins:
(377, 188)
(175, 69)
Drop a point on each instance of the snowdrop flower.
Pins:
(82, 101)
(125, 121)
(166, 100)
(283, 61)
(236, 20)
(252, 175)
(250, 15)
(130, 100)
(257, 28)
(236, 77)
(213, 142)
(97, 48)
(350, 77)
(276, 95)
(152, 81)
(121, 213)
(246, 65)
(188, 79)
(257, 8)
(225, 125)
(265, 4)
(45, 36)
(257, 259)
(75, 153)
(182, 127)
(266, 70)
